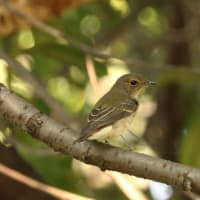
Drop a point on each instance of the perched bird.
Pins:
(112, 114)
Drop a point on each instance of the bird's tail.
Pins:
(81, 139)
(84, 134)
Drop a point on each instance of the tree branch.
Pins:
(33, 184)
(91, 50)
(40, 126)
(38, 88)
(130, 190)
(53, 31)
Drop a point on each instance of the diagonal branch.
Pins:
(38, 88)
(37, 185)
(40, 126)
(54, 32)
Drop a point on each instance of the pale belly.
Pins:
(117, 129)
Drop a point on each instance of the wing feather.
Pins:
(102, 116)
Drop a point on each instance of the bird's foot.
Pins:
(128, 146)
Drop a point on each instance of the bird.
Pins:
(113, 113)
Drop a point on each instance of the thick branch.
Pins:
(24, 115)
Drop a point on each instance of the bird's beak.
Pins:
(149, 83)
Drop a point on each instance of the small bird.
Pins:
(113, 113)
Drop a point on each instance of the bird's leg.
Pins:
(136, 139)
(106, 141)
(126, 143)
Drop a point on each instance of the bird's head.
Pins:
(132, 84)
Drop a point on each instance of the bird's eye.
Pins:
(134, 82)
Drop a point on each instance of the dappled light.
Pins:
(26, 39)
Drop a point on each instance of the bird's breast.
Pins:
(114, 130)
(121, 126)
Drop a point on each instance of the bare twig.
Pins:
(22, 114)
(53, 31)
(91, 73)
(90, 50)
(131, 192)
(61, 194)
(192, 195)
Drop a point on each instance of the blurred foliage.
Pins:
(62, 70)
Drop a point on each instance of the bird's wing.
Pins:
(102, 116)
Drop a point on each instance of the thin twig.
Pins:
(91, 73)
(192, 195)
(32, 183)
(131, 192)
(53, 31)
(22, 114)
(90, 50)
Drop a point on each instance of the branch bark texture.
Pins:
(22, 114)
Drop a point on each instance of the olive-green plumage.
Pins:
(115, 107)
